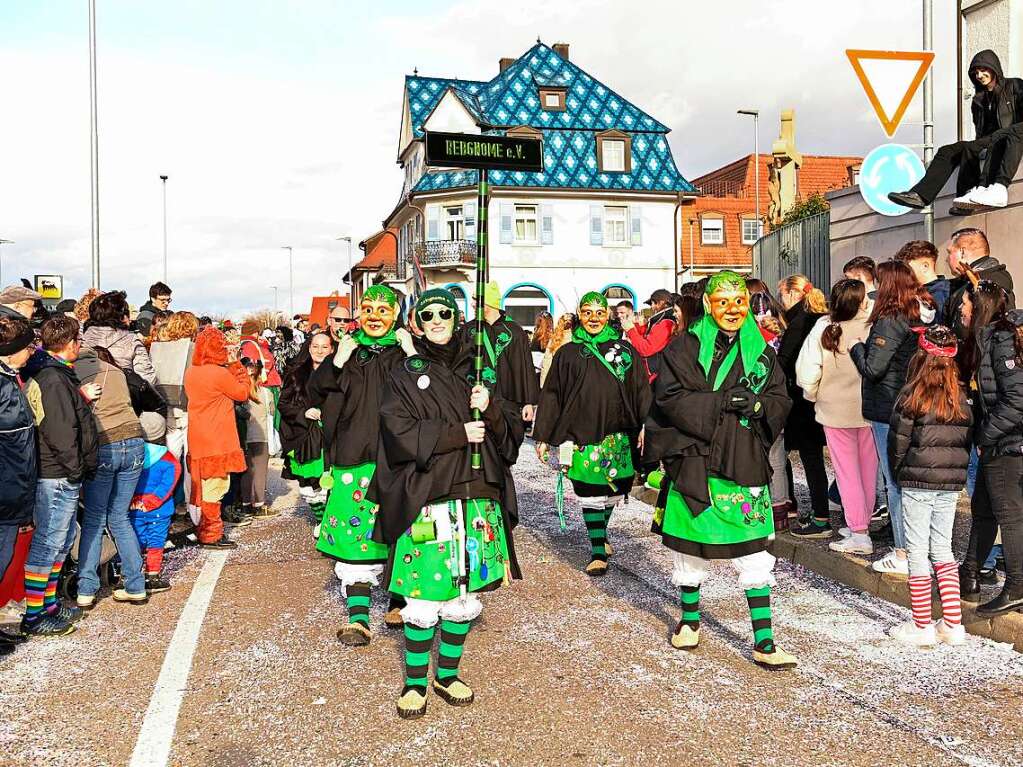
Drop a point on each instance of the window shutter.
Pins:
(469, 215)
(637, 225)
(432, 223)
(596, 225)
(547, 224)
(507, 211)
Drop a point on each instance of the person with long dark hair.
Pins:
(804, 305)
(998, 498)
(829, 379)
(302, 460)
(107, 326)
(929, 450)
(883, 361)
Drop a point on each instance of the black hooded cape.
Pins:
(690, 431)
(423, 456)
(584, 402)
(349, 401)
(517, 379)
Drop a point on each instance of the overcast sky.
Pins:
(277, 121)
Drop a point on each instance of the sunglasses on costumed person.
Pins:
(444, 314)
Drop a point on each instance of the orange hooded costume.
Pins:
(214, 451)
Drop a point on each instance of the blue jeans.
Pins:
(107, 498)
(880, 431)
(55, 518)
(929, 516)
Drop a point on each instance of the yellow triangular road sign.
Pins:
(890, 122)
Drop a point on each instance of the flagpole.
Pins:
(483, 198)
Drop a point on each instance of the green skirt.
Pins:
(604, 463)
(738, 521)
(425, 564)
(347, 528)
(309, 470)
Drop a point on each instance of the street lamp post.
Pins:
(274, 289)
(164, 180)
(928, 114)
(351, 278)
(755, 114)
(291, 279)
(93, 145)
(3, 242)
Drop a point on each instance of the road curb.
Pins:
(855, 572)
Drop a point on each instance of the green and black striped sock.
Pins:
(317, 510)
(759, 601)
(452, 642)
(690, 596)
(608, 511)
(358, 603)
(596, 528)
(418, 643)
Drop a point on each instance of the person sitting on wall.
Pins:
(988, 163)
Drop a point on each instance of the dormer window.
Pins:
(552, 99)
(614, 152)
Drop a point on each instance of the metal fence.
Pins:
(802, 247)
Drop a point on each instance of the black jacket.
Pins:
(144, 319)
(1000, 108)
(1000, 384)
(987, 268)
(928, 455)
(19, 465)
(67, 433)
(801, 427)
(883, 361)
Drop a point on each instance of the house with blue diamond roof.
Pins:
(601, 215)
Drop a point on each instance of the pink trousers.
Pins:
(854, 458)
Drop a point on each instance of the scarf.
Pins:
(750, 346)
(442, 354)
(364, 339)
(581, 336)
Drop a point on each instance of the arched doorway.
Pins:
(524, 301)
(616, 293)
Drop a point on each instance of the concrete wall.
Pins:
(857, 231)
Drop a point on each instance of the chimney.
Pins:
(561, 49)
(504, 63)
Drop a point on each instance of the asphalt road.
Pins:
(567, 669)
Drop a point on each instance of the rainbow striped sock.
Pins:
(50, 595)
(35, 589)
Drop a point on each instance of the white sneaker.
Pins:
(967, 199)
(892, 563)
(911, 634)
(844, 532)
(953, 635)
(994, 196)
(316, 531)
(853, 544)
(306, 492)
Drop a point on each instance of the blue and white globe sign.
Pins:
(889, 168)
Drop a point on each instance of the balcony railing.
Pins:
(451, 253)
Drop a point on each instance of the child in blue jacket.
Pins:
(152, 506)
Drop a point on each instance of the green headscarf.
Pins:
(593, 297)
(381, 293)
(725, 279)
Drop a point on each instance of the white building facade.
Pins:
(603, 215)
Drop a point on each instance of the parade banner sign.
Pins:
(467, 150)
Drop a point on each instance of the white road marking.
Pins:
(152, 749)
